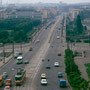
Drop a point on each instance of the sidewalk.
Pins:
(81, 60)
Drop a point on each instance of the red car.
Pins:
(7, 88)
(59, 54)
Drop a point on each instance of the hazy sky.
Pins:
(26, 1)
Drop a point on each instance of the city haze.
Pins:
(45, 1)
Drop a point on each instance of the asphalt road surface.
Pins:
(53, 81)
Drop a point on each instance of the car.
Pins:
(43, 81)
(30, 49)
(19, 62)
(38, 41)
(20, 53)
(26, 62)
(7, 88)
(48, 60)
(5, 75)
(15, 57)
(59, 54)
(60, 74)
(58, 37)
(62, 83)
(19, 58)
(48, 67)
(43, 75)
(56, 64)
(43, 60)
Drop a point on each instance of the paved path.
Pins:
(81, 60)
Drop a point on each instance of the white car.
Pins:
(43, 81)
(5, 75)
(38, 41)
(43, 75)
(56, 64)
(58, 37)
(19, 58)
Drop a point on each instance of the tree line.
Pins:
(16, 29)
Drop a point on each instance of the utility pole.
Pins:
(13, 48)
(21, 47)
(3, 53)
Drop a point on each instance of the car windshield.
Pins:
(44, 80)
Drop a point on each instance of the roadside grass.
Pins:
(88, 69)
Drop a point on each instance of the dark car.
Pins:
(30, 49)
(48, 67)
(19, 62)
(26, 62)
(20, 53)
(59, 54)
(60, 74)
(48, 60)
(15, 57)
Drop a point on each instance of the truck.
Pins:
(62, 83)
(20, 76)
(1, 80)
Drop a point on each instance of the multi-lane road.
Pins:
(47, 48)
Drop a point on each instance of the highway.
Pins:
(41, 50)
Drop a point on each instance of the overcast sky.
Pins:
(27, 1)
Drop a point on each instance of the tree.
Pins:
(79, 25)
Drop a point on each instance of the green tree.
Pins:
(79, 25)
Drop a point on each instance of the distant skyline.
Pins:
(45, 1)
